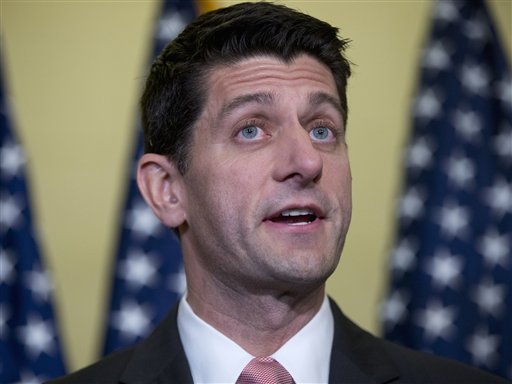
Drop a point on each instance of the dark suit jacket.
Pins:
(357, 357)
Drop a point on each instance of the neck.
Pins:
(260, 323)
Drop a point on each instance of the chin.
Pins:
(310, 276)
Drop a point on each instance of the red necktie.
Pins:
(264, 370)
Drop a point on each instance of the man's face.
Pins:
(268, 189)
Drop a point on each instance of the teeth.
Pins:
(296, 212)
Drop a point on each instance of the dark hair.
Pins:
(175, 91)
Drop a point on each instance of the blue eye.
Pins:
(249, 132)
(321, 133)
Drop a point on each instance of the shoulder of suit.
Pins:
(428, 368)
(107, 370)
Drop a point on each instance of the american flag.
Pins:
(451, 266)
(148, 274)
(29, 346)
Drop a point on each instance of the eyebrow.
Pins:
(318, 98)
(265, 98)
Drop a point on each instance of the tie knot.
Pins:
(264, 370)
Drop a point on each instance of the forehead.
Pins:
(264, 73)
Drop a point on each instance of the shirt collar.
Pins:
(214, 358)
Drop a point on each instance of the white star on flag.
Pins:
(489, 297)
(170, 26)
(402, 257)
(495, 248)
(482, 346)
(428, 105)
(38, 282)
(446, 11)
(11, 159)
(138, 269)
(142, 221)
(394, 308)
(419, 155)
(436, 57)
(10, 212)
(37, 336)
(467, 123)
(475, 79)
(460, 170)
(411, 204)
(445, 269)
(132, 320)
(476, 29)
(437, 321)
(453, 219)
(499, 196)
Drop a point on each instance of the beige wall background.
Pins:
(75, 70)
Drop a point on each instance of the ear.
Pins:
(160, 183)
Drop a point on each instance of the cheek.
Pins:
(214, 193)
(339, 181)
(346, 186)
(337, 172)
(240, 176)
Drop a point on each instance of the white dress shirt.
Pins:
(214, 358)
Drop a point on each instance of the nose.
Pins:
(296, 157)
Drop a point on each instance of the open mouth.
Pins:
(295, 217)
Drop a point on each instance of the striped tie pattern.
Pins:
(264, 370)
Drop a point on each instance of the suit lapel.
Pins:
(357, 356)
(160, 358)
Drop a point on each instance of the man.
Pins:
(246, 159)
